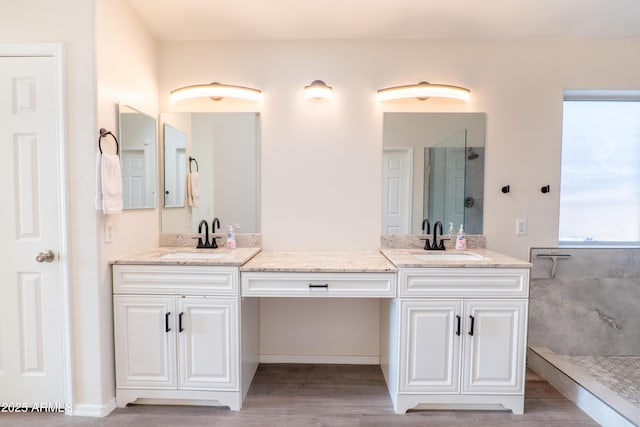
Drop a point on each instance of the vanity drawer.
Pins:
(175, 279)
(464, 282)
(283, 284)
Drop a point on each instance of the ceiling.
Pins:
(388, 19)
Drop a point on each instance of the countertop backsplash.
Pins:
(188, 240)
(412, 241)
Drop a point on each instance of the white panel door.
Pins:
(145, 341)
(175, 173)
(133, 179)
(396, 190)
(208, 343)
(431, 346)
(493, 359)
(31, 321)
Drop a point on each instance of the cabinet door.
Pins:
(145, 341)
(493, 361)
(208, 345)
(430, 352)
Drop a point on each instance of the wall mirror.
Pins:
(224, 148)
(138, 158)
(433, 167)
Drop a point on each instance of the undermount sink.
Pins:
(192, 255)
(448, 256)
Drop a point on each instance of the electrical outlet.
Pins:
(108, 232)
(521, 227)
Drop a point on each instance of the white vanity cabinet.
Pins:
(177, 334)
(461, 340)
(175, 342)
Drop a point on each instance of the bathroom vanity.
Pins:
(182, 332)
(453, 325)
(456, 335)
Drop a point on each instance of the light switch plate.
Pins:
(521, 227)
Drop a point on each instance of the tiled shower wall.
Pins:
(591, 306)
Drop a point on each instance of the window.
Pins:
(600, 177)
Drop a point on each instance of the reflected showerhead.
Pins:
(471, 154)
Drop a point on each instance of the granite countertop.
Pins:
(235, 257)
(404, 258)
(320, 262)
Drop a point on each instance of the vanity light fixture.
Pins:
(215, 91)
(423, 91)
(318, 90)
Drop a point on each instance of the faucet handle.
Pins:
(427, 243)
(201, 244)
(441, 247)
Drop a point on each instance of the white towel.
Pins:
(193, 189)
(108, 183)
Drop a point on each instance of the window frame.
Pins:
(596, 96)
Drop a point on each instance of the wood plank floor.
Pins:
(325, 395)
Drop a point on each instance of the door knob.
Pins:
(48, 256)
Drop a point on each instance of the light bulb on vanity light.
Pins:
(216, 91)
(318, 90)
(424, 91)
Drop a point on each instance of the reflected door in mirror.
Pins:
(137, 158)
(175, 167)
(396, 190)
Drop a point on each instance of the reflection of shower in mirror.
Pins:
(471, 155)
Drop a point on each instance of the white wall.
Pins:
(321, 162)
(126, 67)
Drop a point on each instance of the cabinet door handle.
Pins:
(458, 319)
(471, 328)
(166, 321)
(180, 322)
(312, 286)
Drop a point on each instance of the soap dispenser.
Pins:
(451, 230)
(461, 241)
(231, 239)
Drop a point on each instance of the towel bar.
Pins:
(193, 159)
(554, 258)
(104, 133)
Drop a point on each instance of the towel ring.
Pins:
(193, 159)
(104, 133)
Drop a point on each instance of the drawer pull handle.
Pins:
(471, 328)
(312, 286)
(458, 319)
(180, 329)
(166, 321)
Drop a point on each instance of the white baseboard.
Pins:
(333, 360)
(97, 411)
